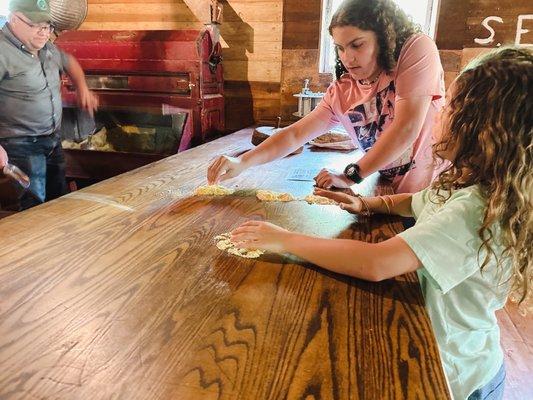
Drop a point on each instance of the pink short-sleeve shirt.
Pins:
(366, 111)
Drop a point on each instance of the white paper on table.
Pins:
(302, 174)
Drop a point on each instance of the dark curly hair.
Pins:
(391, 25)
(488, 130)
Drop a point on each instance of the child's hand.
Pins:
(260, 235)
(352, 204)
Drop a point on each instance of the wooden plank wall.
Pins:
(467, 28)
(271, 46)
(300, 55)
(251, 38)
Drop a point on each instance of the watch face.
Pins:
(352, 172)
(350, 169)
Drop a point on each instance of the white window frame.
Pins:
(4, 8)
(326, 44)
(4, 11)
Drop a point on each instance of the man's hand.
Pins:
(328, 179)
(3, 157)
(87, 100)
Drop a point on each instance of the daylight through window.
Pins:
(423, 12)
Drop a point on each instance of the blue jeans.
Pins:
(408, 222)
(492, 390)
(41, 158)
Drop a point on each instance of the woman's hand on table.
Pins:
(352, 204)
(224, 167)
(328, 178)
(260, 235)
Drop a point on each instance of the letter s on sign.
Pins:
(485, 23)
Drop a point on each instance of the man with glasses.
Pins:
(30, 100)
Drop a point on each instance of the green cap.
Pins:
(36, 10)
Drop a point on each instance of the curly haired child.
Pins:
(471, 244)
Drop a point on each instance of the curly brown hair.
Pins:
(487, 128)
(390, 23)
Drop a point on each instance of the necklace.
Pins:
(367, 82)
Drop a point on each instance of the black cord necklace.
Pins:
(367, 82)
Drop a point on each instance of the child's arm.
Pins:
(396, 204)
(369, 261)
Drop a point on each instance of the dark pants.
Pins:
(408, 222)
(492, 390)
(41, 158)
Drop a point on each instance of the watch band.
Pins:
(352, 172)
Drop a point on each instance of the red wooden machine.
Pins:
(160, 92)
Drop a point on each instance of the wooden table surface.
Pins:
(117, 291)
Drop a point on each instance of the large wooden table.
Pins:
(117, 291)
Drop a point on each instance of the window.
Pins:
(3, 11)
(423, 12)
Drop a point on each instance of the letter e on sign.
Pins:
(520, 30)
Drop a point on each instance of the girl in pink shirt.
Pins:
(387, 98)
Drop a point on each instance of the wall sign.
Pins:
(490, 24)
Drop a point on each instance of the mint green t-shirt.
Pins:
(460, 300)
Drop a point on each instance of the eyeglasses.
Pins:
(48, 28)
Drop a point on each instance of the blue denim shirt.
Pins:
(30, 88)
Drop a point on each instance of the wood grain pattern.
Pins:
(517, 345)
(117, 291)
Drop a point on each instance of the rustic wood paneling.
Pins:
(294, 73)
(300, 57)
(239, 110)
(251, 36)
(451, 23)
(251, 102)
(293, 10)
(261, 90)
(265, 51)
(301, 34)
(505, 31)
(277, 42)
(267, 71)
(451, 63)
(461, 22)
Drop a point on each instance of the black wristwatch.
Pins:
(352, 172)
